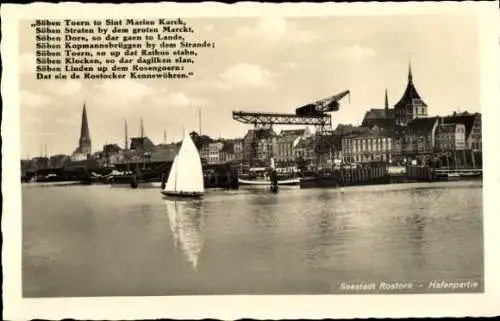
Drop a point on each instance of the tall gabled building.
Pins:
(410, 106)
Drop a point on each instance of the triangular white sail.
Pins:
(171, 183)
(186, 176)
(186, 228)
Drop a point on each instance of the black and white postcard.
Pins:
(250, 160)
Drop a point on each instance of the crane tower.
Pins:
(313, 114)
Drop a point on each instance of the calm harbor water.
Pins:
(109, 241)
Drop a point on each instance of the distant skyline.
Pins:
(262, 64)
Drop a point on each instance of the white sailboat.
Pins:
(186, 176)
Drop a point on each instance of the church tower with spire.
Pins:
(411, 105)
(84, 149)
(85, 143)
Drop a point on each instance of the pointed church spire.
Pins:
(410, 76)
(85, 144)
(411, 105)
(84, 131)
(386, 104)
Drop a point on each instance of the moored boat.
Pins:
(447, 176)
(264, 182)
(261, 176)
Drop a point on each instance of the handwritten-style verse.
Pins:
(116, 49)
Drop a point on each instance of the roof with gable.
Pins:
(464, 118)
(142, 143)
(381, 117)
(410, 93)
(378, 113)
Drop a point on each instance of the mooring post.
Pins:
(274, 181)
(163, 181)
(134, 183)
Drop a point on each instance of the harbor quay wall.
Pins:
(375, 174)
(214, 175)
(382, 174)
(218, 175)
(420, 174)
(226, 175)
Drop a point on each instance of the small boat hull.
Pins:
(286, 182)
(448, 177)
(182, 194)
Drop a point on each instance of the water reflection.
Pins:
(186, 222)
(240, 242)
(264, 217)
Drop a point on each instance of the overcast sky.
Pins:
(269, 64)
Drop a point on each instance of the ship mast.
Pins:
(142, 129)
(126, 135)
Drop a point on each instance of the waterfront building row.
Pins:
(421, 140)
(404, 132)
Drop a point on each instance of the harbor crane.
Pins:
(322, 106)
(312, 114)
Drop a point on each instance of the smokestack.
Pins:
(165, 137)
